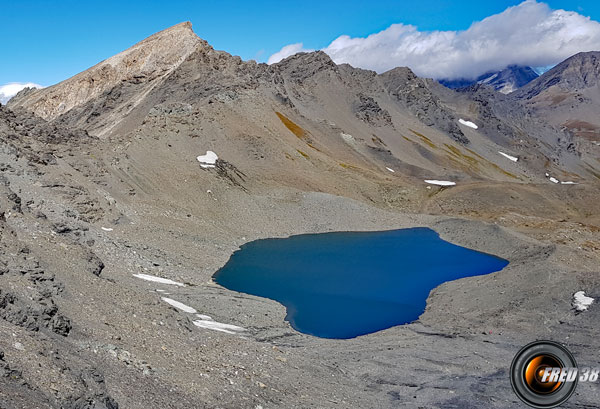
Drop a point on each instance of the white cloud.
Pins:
(527, 34)
(286, 52)
(7, 91)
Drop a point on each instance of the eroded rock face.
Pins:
(368, 110)
(42, 312)
(414, 93)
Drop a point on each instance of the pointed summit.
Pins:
(172, 35)
(146, 63)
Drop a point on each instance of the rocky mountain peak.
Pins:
(145, 62)
(509, 79)
(404, 73)
(307, 57)
(305, 65)
(180, 28)
(575, 73)
(581, 70)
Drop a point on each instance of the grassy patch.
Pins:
(473, 162)
(504, 172)
(292, 126)
(472, 152)
(424, 138)
(377, 140)
(470, 160)
(346, 166)
(303, 154)
(312, 146)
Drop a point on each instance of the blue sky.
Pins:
(47, 41)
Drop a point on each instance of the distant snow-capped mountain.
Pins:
(506, 81)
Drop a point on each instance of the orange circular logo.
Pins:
(543, 374)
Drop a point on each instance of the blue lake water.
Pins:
(346, 284)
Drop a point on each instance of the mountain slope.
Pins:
(568, 96)
(394, 120)
(578, 72)
(107, 216)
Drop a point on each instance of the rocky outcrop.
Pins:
(368, 110)
(414, 93)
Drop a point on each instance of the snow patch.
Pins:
(468, 123)
(218, 326)
(509, 157)
(488, 79)
(347, 137)
(179, 305)
(508, 88)
(581, 302)
(107, 228)
(204, 317)
(554, 180)
(391, 170)
(440, 182)
(208, 160)
(155, 279)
